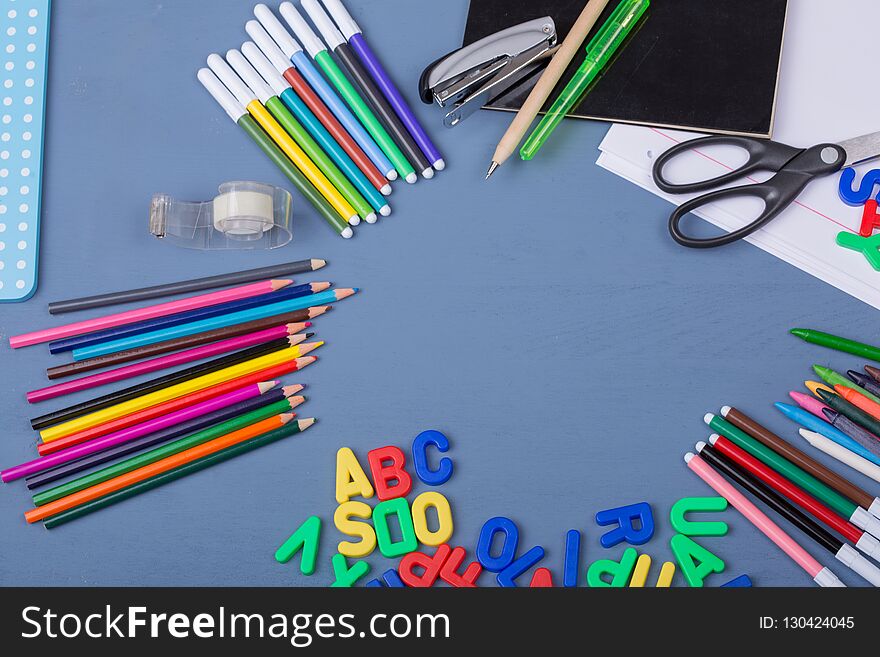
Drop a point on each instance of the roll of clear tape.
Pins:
(243, 216)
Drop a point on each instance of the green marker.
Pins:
(153, 455)
(313, 44)
(599, 51)
(838, 343)
(832, 378)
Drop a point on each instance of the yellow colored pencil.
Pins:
(172, 392)
(286, 143)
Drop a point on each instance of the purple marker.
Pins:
(352, 32)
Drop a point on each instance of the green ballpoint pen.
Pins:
(599, 51)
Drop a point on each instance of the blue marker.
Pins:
(304, 65)
(811, 422)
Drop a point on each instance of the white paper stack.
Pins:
(825, 95)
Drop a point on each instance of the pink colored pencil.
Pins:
(809, 404)
(134, 432)
(149, 312)
(163, 362)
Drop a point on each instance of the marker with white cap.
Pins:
(231, 102)
(318, 51)
(311, 123)
(372, 95)
(246, 75)
(304, 65)
(352, 32)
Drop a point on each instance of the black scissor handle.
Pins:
(777, 193)
(764, 155)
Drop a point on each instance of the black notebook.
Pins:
(703, 65)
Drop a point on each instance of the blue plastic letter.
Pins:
(420, 458)
(623, 517)
(572, 556)
(861, 195)
(508, 550)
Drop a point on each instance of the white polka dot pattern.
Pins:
(25, 28)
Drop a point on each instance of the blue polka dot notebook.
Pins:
(23, 64)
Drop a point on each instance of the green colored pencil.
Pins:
(157, 454)
(290, 429)
(836, 342)
(832, 378)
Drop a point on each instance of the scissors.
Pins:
(795, 168)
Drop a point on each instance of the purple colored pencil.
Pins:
(353, 34)
(190, 426)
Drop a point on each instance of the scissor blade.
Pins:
(859, 149)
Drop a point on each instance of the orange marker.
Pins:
(157, 468)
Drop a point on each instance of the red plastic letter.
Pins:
(389, 480)
(542, 578)
(430, 565)
(449, 572)
(870, 219)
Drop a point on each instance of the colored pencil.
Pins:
(862, 436)
(75, 451)
(309, 71)
(813, 423)
(162, 363)
(833, 378)
(179, 472)
(282, 64)
(864, 381)
(375, 101)
(124, 394)
(271, 397)
(188, 342)
(301, 136)
(843, 552)
(843, 486)
(146, 458)
(149, 312)
(240, 116)
(168, 463)
(837, 343)
(190, 328)
(820, 574)
(353, 33)
(842, 454)
(861, 539)
(267, 374)
(80, 341)
(171, 392)
(316, 129)
(858, 416)
(185, 287)
(785, 468)
(244, 95)
(318, 51)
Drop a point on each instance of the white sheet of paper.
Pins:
(823, 96)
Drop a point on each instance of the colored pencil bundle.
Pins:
(235, 345)
(338, 128)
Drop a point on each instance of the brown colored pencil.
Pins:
(296, 320)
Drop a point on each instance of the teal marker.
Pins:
(318, 51)
(599, 51)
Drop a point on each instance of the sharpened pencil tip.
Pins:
(291, 390)
(317, 263)
(306, 423)
(492, 168)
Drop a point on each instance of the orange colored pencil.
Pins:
(157, 468)
(172, 405)
(858, 400)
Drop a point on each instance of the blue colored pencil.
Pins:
(230, 319)
(176, 319)
(811, 422)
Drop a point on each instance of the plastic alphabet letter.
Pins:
(351, 481)
(508, 576)
(695, 561)
(743, 581)
(392, 580)
(627, 530)
(305, 538)
(349, 527)
(680, 523)
(508, 550)
(420, 506)
(391, 480)
(408, 542)
(542, 579)
(858, 196)
(449, 572)
(572, 557)
(643, 566)
(429, 565)
(867, 246)
(345, 576)
(870, 219)
(619, 571)
(420, 458)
